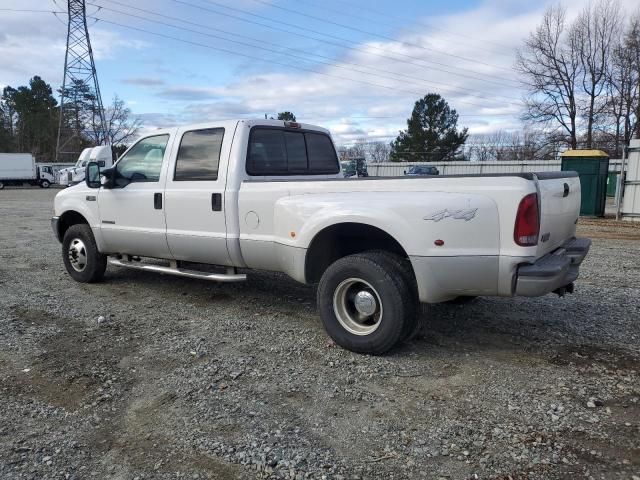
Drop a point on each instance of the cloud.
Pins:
(365, 91)
(143, 81)
(184, 92)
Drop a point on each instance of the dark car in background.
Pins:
(417, 170)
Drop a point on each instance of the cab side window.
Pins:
(199, 155)
(276, 151)
(143, 162)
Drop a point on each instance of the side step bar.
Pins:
(174, 270)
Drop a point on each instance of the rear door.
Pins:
(559, 209)
(194, 195)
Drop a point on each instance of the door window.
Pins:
(199, 155)
(143, 162)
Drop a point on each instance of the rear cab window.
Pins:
(275, 151)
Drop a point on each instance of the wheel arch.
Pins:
(67, 220)
(342, 239)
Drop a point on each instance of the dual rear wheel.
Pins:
(369, 301)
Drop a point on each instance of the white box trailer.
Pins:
(631, 186)
(20, 168)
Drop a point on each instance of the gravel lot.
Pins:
(187, 379)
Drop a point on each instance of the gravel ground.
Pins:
(155, 377)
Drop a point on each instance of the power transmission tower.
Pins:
(82, 121)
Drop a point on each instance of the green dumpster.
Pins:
(612, 181)
(593, 169)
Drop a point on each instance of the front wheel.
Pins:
(80, 255)
(45, 184)
(365, 303)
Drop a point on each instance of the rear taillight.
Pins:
(527, 226)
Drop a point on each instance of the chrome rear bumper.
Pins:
(554, 271)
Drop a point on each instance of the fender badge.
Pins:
(464, 214)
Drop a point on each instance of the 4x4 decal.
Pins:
(464, 214)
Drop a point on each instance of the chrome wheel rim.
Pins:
(357, 306)
(77, 255)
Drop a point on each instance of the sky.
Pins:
(353, 66)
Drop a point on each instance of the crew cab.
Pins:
(212, 201)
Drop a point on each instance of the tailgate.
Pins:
(559, 209)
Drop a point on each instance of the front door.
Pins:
(196, 227)
(132, 213)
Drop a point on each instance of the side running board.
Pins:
(229, 277)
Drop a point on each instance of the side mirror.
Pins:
(92, 175)
(106, 178)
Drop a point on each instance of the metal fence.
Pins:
(394, 169)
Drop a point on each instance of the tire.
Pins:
(413, 324)
(380, 320)
(80, 255)
(1, 185)
(45, 184)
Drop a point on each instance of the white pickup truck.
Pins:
(205, 200)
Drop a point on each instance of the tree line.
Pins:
(582, 82)
(29, 120)
(583, 77)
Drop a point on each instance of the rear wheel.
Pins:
(403, 265)
(80, 254)
(1, 185)
(366, 303)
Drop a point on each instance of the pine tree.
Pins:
(432, 133)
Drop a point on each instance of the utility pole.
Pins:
(82, 121)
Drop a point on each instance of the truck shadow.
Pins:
(520, 324)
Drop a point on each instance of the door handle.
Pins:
(216, 202)
(157, 201)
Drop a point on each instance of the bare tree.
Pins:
(632, 43)
(356, 150)
(528, 144)
(623, 84)
(343, 153)
(593, 37)
(378, 151)
(121, 125)
(550, 66)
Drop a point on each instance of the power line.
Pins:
(296, 67)
(231, 52)
(378, 35)
(500, 80)
(337, 65)
(387, 15)
(404, 21)
(23, 10)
